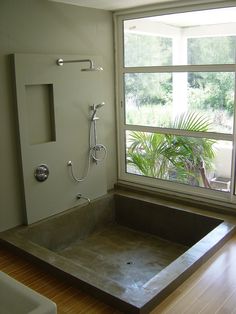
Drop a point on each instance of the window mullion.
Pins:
(182, 68)
(211, 135)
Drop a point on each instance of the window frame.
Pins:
(153, 184)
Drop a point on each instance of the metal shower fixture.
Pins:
(97, 152)
(79, 196)
(92, 67)
(94, 109)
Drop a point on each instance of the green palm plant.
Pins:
(173, 157)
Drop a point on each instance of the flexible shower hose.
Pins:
(91, 154)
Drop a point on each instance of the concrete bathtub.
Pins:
(130, 251)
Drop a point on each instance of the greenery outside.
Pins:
(193, 101)
(148, 93)
(171, 157)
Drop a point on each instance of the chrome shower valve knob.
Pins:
(41, 173)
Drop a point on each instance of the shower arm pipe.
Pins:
(61, 62)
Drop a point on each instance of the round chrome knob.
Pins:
(41, 173)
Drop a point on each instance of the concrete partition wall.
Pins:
(54, 118)
(45, 28)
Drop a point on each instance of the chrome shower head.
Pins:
(92, 69)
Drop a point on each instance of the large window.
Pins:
(177, 101)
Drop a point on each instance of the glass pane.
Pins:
(201, 37)
(148, 98)
(181, 100)
(159, 50)
(212, 50)
(194, 161)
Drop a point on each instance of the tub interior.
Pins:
(129, 251)
(125, 256)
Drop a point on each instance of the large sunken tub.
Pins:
(131, 251)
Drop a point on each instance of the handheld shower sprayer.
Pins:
(94, 109)
(99, 105)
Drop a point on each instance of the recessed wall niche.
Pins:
(40, 113)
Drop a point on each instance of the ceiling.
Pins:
(113, 4)
(207, 17)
